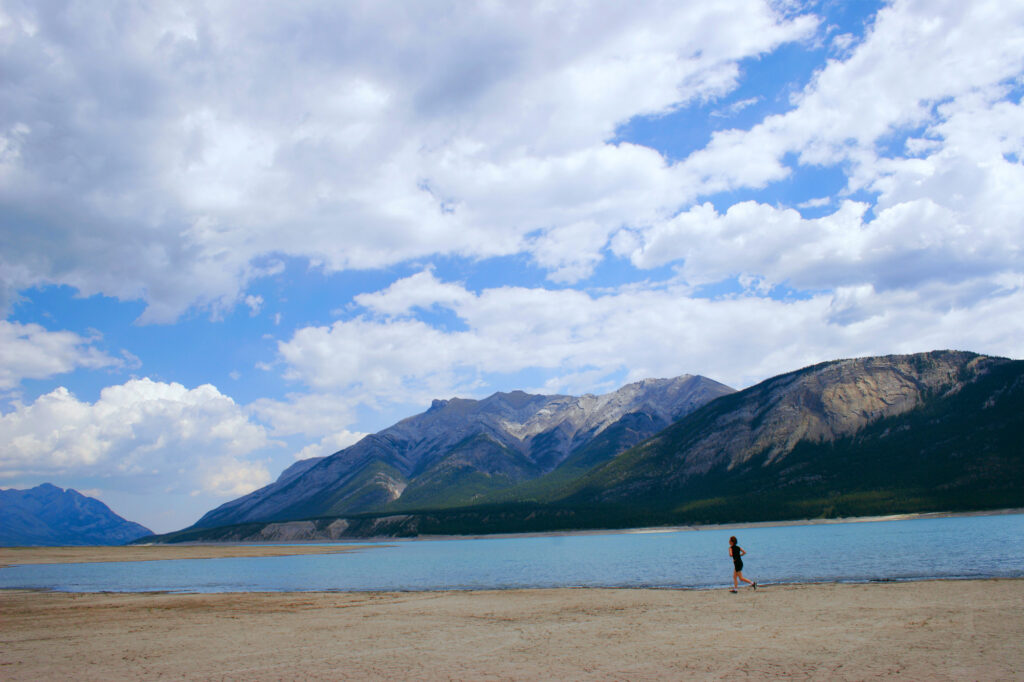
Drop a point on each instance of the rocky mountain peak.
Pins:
(924, 432)
(503, 438)
(817, 404)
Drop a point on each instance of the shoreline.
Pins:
(42, 555)
(94, 554)
(711, 526)
(967, 629)
(724, 586)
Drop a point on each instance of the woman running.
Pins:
(735, 551)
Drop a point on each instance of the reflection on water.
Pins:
(965, 547)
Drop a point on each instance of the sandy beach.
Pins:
(932, 630)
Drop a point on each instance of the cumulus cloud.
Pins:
(311, 414)
(195, 440)
(422, 290)
(29, 351)
(945, 51)
(155, 152)
(931, 149)
(388, 355)
(403, 359)
(907, 244)
(330, 444)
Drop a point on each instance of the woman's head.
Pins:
(732, 540)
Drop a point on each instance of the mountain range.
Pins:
(48, 515)
(926, 432)
(459, 452)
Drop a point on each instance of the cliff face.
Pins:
(459, 451)
(826, 402)
(756, 430)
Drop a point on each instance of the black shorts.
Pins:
(737, 565)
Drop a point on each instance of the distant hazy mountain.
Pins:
(939, 431)
(48, 515)
(460, 451)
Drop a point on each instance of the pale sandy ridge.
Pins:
(936, 630)
(14, 556)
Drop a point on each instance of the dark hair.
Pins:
(733, 539)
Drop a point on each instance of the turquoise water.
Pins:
(964, 547)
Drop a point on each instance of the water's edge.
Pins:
(932, 547)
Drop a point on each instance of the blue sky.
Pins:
(233, 236)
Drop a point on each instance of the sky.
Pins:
(234, 234)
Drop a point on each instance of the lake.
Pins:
(912, 549)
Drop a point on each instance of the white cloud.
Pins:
(422, 290)
(575, 337)
(233, 478)
(842, 42)
(29, 351)
(330, 444)
(156, 152)
(157, 434)
(906, 245)
(948, 212)
(571, 252)
(254, 303)
(314, 415)
(919, 53)
(399, 360)
(736, 107)
(504, 148)
(817, 202)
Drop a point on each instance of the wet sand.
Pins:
(935, 630)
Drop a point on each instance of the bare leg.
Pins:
(739, 574)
